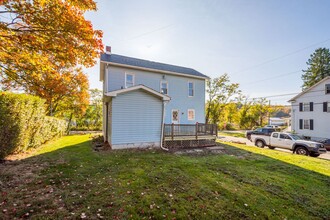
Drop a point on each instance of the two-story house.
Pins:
(310, 115)
(140, 96)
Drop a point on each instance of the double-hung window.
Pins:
(129, 80)
(191, 88)
(306, 107)
(306, 124)
(327, 88)
(191, 114)
(164, 87)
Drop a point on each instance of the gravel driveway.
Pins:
(249, 143)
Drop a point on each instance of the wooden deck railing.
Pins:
(196, 130)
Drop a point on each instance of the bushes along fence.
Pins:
(24, 124)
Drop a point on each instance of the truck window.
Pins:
(275, 135)
(284, 136)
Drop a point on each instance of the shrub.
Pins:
(85, 128)
(23, 123)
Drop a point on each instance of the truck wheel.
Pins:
(270, 147)
(302, 151)
(314, 155)
(260, 144)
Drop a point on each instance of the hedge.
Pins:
(24, 124)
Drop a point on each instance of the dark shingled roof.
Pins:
(114, 58)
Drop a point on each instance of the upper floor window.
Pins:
(327, 88)
(164, 87)
(129, 80)
(191, 91)
(191, 114)
(326, 106)
(306, 107)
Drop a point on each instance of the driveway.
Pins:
(249, 143)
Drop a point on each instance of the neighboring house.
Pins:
(310, 115)
(140, 96)
(278, 121)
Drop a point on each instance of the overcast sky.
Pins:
(263, 45)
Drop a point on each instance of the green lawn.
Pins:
(65, 179)
(232, 134)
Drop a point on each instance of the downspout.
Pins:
(106, 121)
(162, 128)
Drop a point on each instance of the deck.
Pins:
(189, 135)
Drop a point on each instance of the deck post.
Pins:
(196, 130)
(172, 131)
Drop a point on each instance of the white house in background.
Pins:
(310, 115)
(278, 121)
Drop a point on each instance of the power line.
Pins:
(283, 56)
(287, 94)
(274, 77)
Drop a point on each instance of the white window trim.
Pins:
(160, 86)
(178, 115)
(126, 73)
(328, 107)
(193, 88)
(188, 114)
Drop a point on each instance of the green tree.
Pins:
(318, 67)
(220, 91)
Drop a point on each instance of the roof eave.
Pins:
(155, 70)
(307, 90)
(133, 88)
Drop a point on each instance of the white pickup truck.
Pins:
(289, 141)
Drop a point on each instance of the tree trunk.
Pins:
(69, 123)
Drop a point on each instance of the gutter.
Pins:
(162, 129)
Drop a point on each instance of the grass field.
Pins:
(65, 179)
(232, 134)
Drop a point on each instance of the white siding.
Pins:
(136, 118)
(321, 119)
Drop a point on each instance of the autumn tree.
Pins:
(220, 91)
(318, 67)
(41, 44)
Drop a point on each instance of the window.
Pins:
(327, 88)
(284, 136)
(191, 114)
(275, 135)
(306, 124)
(306, 107)
(129, 80)
(190, 89)
(164, 87)
(175, 116)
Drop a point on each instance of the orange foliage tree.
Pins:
(41, 44)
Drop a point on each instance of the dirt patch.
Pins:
(218, 149)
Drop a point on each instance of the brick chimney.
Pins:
(108, 50)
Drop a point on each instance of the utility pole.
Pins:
(269, 112)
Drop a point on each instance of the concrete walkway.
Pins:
(249, 143)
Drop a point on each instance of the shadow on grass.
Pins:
(239, 184)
